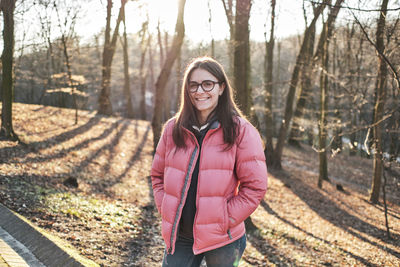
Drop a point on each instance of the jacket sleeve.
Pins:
(157, 170)
(251, 170)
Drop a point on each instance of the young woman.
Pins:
(209, 172)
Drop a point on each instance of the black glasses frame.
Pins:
(202, 87)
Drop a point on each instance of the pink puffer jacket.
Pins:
(218, 194)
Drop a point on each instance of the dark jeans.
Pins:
(226, 256)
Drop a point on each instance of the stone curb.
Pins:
(43, 248)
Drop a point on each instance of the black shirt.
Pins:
(189, 209)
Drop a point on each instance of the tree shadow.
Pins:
(148, 227)
(329, 211)
(268, 209)
(22, 150)
(263, 247)
(380, 207)
(111, 147)
(61, 153)
(135, 156)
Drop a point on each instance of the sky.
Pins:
(289, 17)
(197, 27)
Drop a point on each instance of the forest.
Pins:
(86, 87)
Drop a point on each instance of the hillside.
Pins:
(110, 217)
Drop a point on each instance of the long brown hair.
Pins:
(225, 112)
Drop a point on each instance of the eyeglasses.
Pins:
(206, 85)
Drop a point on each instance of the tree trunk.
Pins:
(305, 92)
(168, 88)
(211, 34)
(105, 106)
(7, 59)
(379, 105)
(322, 131)
(292, 90)
(69, 73)
(268, 66)
(142, 72)
(165, 72)
(127, 84)
(160, 44)
(242, 56)
(152, 79)
(178, 75)
(350, 85)
(337, 131)
(306, 81)
(228, 7)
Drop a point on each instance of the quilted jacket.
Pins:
(219, 196)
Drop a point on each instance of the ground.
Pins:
(110, 216)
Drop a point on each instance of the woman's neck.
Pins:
(204, 118)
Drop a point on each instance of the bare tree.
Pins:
(66, 35)
(311, 61)
(144, 44)
(160, 44)
(322, 129)
(305, 89)
(209, 22)
(241, 61)
(105, 106)
(268, 66)
(151, 72)
(380, 94)
(229, 11)
(127, 89)
(292, 90)
(165, 72)
(7, 59)
(45, 19)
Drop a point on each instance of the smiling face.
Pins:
(205, 102)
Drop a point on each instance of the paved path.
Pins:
(21, 245)
(14, 254)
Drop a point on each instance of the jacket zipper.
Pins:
(229, 234)
(173, 232)
(198, 182)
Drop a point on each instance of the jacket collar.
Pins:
(214, 124)
(211, 124)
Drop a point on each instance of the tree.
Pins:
(144, 44)
(292, 90)
(66, 35)
(380, 96)
(268, 67)
(241, 60)
(166, 71)
(212, 36)
(45, 33)
(151, 71)
(311, 61)
(105, 106)
(337, 143)
(127, 89)
(7, 59)
(228, 7)
(322, 128)
(305, 89)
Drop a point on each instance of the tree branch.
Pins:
(381, 54)
(354, 8)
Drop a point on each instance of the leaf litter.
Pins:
(110, 217)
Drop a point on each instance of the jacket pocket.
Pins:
(226, 217)
(162, 204)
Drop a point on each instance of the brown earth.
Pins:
(110, 217)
